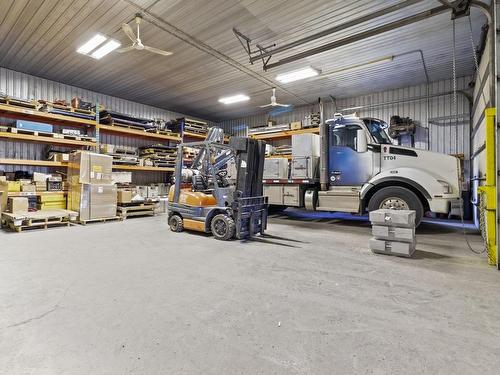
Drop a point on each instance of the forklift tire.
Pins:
(397, 198)
(176, 223)
(223, 227)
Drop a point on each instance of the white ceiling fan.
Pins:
(274, 103)
(136, 40)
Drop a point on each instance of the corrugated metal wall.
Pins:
(26, 86)
(402, 102)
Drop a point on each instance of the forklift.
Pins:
(203, 198)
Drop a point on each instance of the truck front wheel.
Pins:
(397, 198)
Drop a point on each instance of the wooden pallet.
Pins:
(38, 219)
(128, 126)
(49, 105)
(197, 130)
(162, 132)
(19, 103)
(142, 209)
(47, 134)
(99, 220)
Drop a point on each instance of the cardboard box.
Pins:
(14, 186)
(121, 177)
(4, 191)
(107, 148)
(17, 204)
(125, 196)
(296, 125)
(40, 177)
(28, 188)
(90, 168)
(24, 181)
(41, 186)
(52, 201)
(93, 201)
(59, 157)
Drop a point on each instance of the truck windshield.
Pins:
(377, 131)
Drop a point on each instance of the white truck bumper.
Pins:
(442, 205)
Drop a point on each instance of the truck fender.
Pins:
(406, 176)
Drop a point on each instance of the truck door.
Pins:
(348, 166)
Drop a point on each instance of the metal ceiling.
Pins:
(40, 38)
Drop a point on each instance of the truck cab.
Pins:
(367, 172)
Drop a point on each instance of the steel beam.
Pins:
(168, 27)
(363, 35)
(335, 29)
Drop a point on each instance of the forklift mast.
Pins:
(250, 155)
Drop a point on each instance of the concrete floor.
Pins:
(132, 297)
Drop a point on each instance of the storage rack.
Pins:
(283, 135)
(22, 113)
(190, 136)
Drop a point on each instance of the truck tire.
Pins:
(176, 223)
(397, 198)
(223, 227)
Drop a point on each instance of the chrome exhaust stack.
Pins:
(323, 160)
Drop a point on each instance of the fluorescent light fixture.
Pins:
(105, 49)
(234, 99)
(297, 75)
(95, 41)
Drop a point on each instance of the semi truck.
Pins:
(359, 169)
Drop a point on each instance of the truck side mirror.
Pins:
(361, 143)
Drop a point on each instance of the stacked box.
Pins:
(305, 156)
(17, 204)
(91, 190)
(125, 195)
(14, 186)
(51, 202)
(393, 232)
(4, 194)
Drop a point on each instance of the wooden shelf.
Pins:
(139, 168)
(7, 110)
(48, 163)
(285, 134)
(53, 140)
(137, 132)
(37, 163)
(37, 193)
(201, 136)
(194, 135)
(289, 157)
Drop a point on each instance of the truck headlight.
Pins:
(447, 188)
